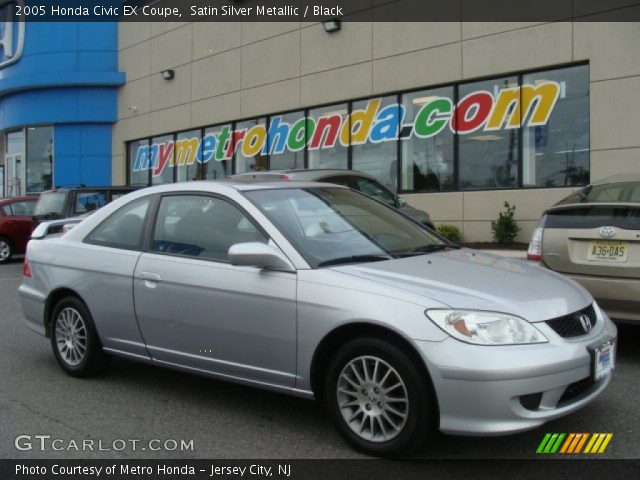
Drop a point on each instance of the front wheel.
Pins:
(74, 340)
(380, 401)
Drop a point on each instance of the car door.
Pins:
(197, 310)
(20, 223)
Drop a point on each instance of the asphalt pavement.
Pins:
(132, 401)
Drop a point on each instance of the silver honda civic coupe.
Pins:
(318, 291)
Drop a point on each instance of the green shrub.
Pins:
(450, 232)
(506, 228)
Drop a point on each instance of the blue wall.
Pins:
(67, 77)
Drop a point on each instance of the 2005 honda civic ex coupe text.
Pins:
(319, 291)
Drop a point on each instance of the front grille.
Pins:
(571, 325)
(576, 389)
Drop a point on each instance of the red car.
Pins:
(15, 225)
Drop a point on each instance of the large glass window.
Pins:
(378, 158)
(556, 154)
(139, 162)
(523, 130)
(187, 153)
(488, 158)
(427, 160)
(216, 152)
(201, 226)
(162, 159)
(39, 158)
(286, 140)
(250, 142)
(328, 143)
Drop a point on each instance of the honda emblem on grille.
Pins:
(607, 232)
(585, 321)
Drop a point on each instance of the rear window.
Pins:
(606, 193)
(50, 203)
(594, 217)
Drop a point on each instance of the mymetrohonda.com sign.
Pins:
(526, 105)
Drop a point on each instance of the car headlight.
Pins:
(485, 328)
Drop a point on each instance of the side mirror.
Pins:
(261, 255)
(402, 202)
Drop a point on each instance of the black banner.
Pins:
(315, 469)
(319, 10)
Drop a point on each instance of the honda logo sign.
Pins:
(11, 32)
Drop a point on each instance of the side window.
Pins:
(123, 229)
(375, 190)
(24, 209)
(6, 209)
(202, 227)
(89, 201)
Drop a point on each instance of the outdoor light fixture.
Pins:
(332, 25)
(168, 74)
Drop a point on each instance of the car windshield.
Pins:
(50, 203)
(331, 226)
(618, 192)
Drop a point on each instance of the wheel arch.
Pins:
(54, 297)
(344, 333)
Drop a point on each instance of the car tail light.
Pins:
(284, 177)
(535, 246)
(26, 270)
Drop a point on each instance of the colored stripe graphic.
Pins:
(573, 443)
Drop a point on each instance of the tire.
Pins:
(74, 339)
(382, 424)
(6, 250)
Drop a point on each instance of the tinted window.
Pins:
(201, 226)
(89, 201)
(24, 208)
(123, 229)
(50, 203)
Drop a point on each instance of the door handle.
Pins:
(150, 277)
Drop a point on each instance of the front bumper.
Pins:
(483, 390)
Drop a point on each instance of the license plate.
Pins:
(608, 251)
(603, 360)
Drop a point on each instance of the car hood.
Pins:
(470, 279)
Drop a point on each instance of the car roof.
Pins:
(619, 178)
(4, 201)
(309, 174)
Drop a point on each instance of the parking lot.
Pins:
(135, 401)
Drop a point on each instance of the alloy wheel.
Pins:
(373, 399)
(71, 336)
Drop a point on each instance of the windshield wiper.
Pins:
(437, 247)
(354, 259)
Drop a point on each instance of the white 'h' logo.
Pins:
(11, 33)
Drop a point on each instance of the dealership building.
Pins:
(456, 117)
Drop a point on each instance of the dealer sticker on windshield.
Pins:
(604, 360)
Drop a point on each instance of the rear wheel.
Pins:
(6, 250)
(380, 401)
(74, 340)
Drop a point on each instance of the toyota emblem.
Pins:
(585, 321)
(607, 232)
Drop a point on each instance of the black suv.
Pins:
(68, 202)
